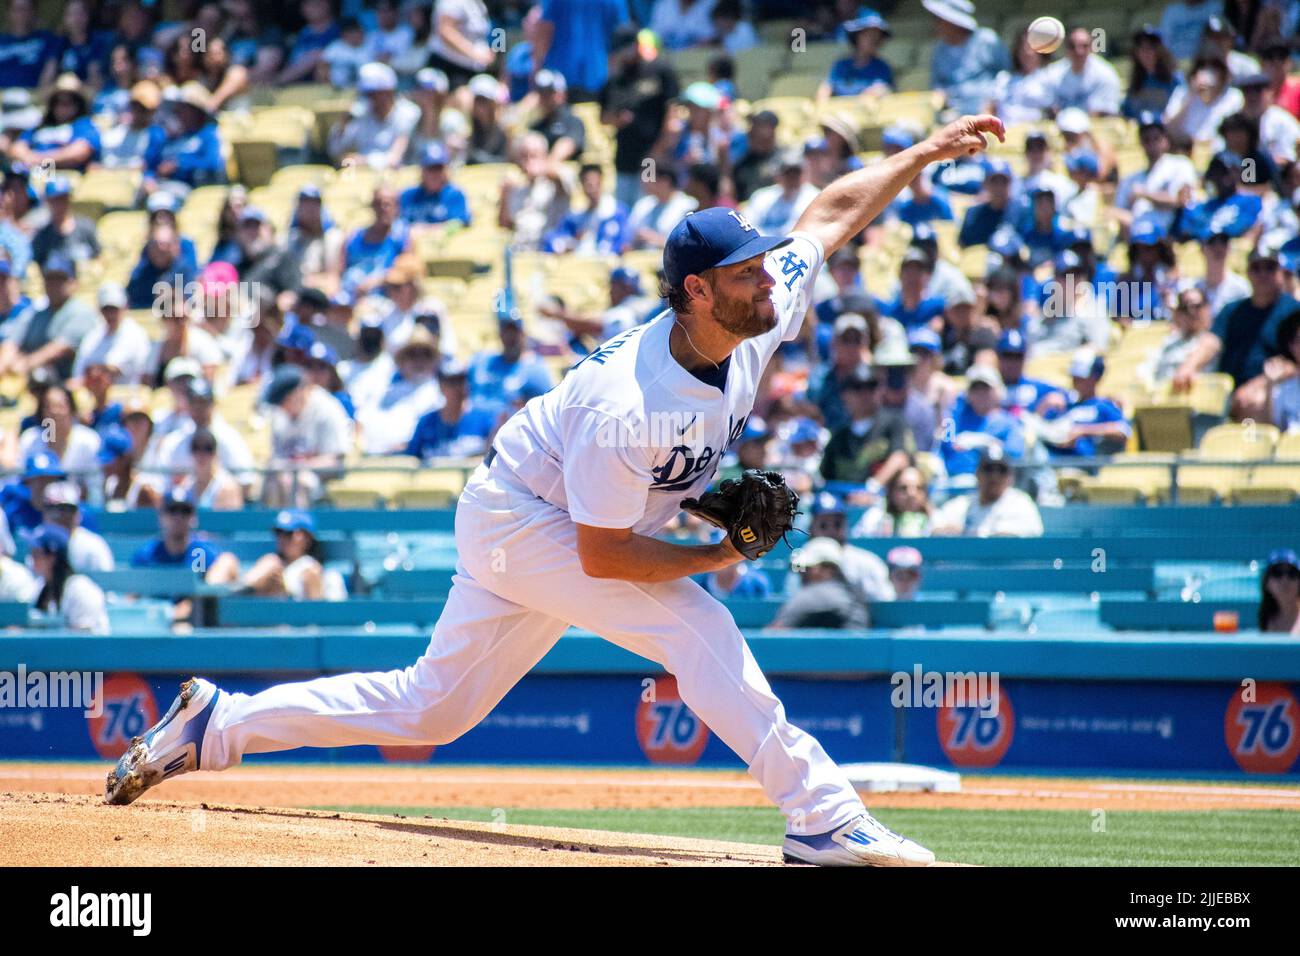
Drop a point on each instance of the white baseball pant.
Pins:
(518, 585)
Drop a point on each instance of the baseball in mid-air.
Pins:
(1046, 34)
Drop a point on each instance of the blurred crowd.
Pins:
(912, 384)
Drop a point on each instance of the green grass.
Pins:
(984, 837)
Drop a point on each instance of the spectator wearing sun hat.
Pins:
(378, 131)
(191, 155)
(129, 142)
(865, 71)
(66, 135)
(967, 57)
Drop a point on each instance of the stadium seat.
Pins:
(1130, 479)
(1239, 442)
(1270, 485)
(1202, 484)
(1163, 427)
(1288, 447)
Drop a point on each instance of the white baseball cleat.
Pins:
(863, 841)
(168, 748)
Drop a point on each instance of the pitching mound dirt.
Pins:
(65, 830)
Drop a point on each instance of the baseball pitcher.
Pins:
(555, 528)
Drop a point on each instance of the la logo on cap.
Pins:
(744, 223)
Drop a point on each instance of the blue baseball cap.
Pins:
(1082, 163)
(293, 519)
(711, 238)
(1079, 236)
(1066, 261)
(898, 136)
(923, 232)
(435, 154)
(755, 429)
(1145, 232)
(47, 537)
(43, 464)
(999, 167)
(626, 276)
(309, 191)
(58, 187)
(827, 503)
(1012, 342)
(805, 429)
(867, 20)
(1005, 241)
(177, 497)
(1282, 556)
(61, 264)
(926, 340)
(114, 442)
(296, 336)
(321, 352)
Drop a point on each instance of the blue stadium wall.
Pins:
(1143, 704)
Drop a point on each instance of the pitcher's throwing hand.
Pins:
(965, 137)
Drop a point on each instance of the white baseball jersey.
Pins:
(629, 432)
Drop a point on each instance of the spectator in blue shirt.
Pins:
(600, 229)
(911, 306)
(369, 252)
(573, 39)
(459, 428)
(66, 136)
(1097, 425)
(864, 71)
(83, 50)
(978, 422)
(163, 260)
(496, 379)
(434, 201)
(1228, 210)
(1022, 394)
(967, 57)
(178, 545)
(28, 56)
(921, 203)
(317, 33)
(14, 305)
(190, 156)
(20, 497)
(983, 219)
(1041, 229)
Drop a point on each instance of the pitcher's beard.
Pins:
(742, 318)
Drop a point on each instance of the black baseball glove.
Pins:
(756, 510)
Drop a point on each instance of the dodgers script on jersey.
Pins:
(628, 433)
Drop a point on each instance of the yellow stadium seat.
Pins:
(1161, 427)
(1201, 484)
(1130, 478)
(1239, 442)
(1288, 447)
(1270, 485)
